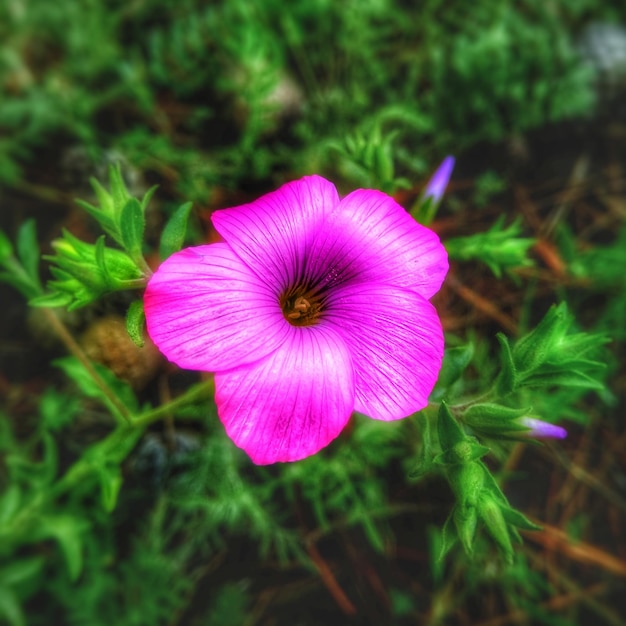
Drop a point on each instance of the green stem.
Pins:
(203, 390)
(119, 407)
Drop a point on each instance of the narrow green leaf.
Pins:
(514, 517)
(100, 261)
(21, 570)
(448, 537)
(10, 501)
(19, 280)
(51, 300)
(507, 380)
(28, 250)
(132, 225)
(105, 221)
(6, 249)
(110, 478)
(147, 197)
(450, 433)
(118, 188)
(67, 531)
(104, 197)
(135, 320)
(10, 608)
(173, 235)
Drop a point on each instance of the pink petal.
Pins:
(396, 341)
(370, 237)
(272, 235)
(205, 310)
(293, 403)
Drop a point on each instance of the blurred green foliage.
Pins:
(235, 91)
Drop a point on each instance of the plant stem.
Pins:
(205, 388)
(76, 351)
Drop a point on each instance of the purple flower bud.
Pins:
(544, 430)
(439, 180)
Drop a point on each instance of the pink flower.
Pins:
(313, 307)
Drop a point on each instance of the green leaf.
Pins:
(67, 531)
(51, 300)
(110, 477)
(515, 518)
(40, 474)
(455, 361)
(448, 537)
(147, 197)
(173, 235)
(465, 520)
(10, 501)
(119, 192)
(6, 249)
(450, 433)
(77, 372)
(132, 225)
(507, 379)
(28, 250)
(135, 320)
(57, 409)
(21, 570)
(10, 607)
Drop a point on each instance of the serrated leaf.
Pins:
(135, 321)
(173, 235)
(132, 225)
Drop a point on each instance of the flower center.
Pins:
(301, 307)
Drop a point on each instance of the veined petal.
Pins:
(370, 237)
(293, 403)
(396, 341)
(272, 235)
(205, 310)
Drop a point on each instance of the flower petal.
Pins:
(396, 341)
(205, 310)
(293, 403)
(272, 235)
(370, 237)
